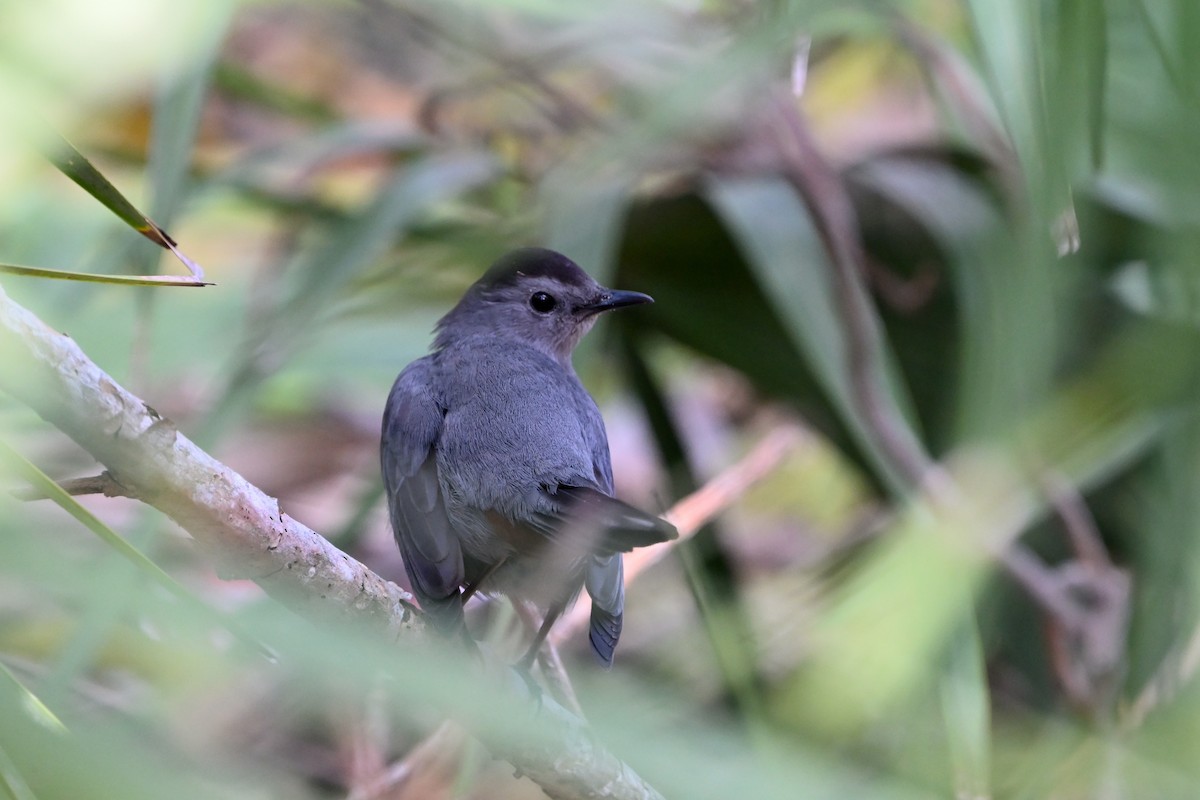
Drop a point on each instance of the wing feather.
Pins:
(412, 424)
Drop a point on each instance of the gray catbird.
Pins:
(495, 459)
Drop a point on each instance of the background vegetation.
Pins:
(947, 249)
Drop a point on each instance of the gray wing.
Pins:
(598, 439)
(412, 424)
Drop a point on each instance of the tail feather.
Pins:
(605, 581)
(622, 526)
(603, 633)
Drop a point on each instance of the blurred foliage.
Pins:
(957, 240)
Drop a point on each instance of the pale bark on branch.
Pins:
(247, 535)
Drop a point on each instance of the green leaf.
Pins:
(235, 81)
(320, 274)
(38, 710)
(44, 484)
(1010, 63)
(91, 277)
(1007, 341)
(75, 166)
(966, 711)
(781, 245)
(584, 215)
(176, 120)
(15, 787)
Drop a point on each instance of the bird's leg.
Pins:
(524, 667)
(552, 615)
(469, 640)
(473, 586)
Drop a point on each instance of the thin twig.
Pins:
(1031, 574)
(1078, 522)
(905, 295)
(104, 484)
(436, 754)
(947, 70)
(362, 738)
(1085, 600)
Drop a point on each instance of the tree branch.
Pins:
(247, 535)
(238, 526)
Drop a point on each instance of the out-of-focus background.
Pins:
(945, 250)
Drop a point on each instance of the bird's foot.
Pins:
(536, 692)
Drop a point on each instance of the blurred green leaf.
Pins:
(1007, 344)
(36, 709)
(584, 214)
(318, 278)
(233, 80)
(783, 248)
(15, 787)
(322, 272)
(177, 110)
(42, 483)
(91, 277)
(966, 709)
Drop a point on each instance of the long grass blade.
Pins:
(91, 277)
(76, 166)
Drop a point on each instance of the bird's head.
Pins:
(537, 296)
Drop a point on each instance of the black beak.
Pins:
(615, 298)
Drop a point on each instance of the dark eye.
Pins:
(542, 302)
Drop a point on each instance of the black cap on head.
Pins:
(534, 262)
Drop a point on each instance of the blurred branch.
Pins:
(967, 99)
(690, 513)
(1085, 602)
(437, 754)
(247, 534)
(1032, 575)
(837, 223)
(906, 295)
(1077, 521)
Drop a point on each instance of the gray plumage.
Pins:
(495, 458)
